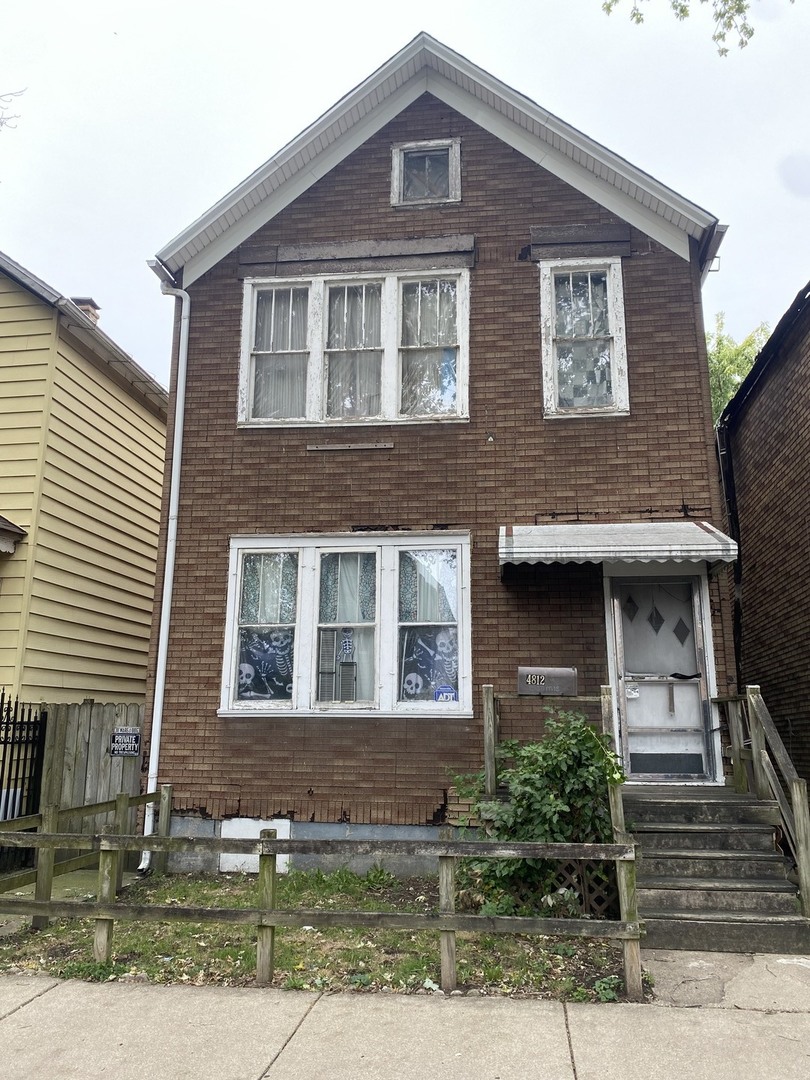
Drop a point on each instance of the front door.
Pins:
(662, 697)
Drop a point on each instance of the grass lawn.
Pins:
(378, 960)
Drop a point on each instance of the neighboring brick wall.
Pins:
(771, 458)
(645, 466)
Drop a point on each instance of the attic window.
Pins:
(426, 172)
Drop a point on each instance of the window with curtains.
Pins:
(358, 623)
(582, 337)
(390, 347)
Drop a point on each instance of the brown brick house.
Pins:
(764, 442)
(446, 415)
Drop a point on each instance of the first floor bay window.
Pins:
(360, 623)
(355, 349)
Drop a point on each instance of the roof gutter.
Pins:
(167, 287)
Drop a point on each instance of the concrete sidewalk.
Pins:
(714, 1017)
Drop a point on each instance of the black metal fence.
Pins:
(22, 753)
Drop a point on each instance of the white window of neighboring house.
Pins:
(426, 172)
(354, 623)
(386, 348)
(583, 338)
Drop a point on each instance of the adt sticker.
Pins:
(445, 693)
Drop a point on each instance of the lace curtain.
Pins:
(429, 347)
(582, 339)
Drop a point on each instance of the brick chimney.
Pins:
(87, 305)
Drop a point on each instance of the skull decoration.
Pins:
(247, 673)
(413, 685)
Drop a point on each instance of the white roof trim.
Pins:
(645, 542)
(427, 65)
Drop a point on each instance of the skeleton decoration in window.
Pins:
(428, 634)
(266, 633)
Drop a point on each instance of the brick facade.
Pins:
(770, 450)
(506, 465)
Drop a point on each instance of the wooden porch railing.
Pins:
(762, 765)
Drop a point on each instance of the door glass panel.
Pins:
(661, 686)
(658, 628)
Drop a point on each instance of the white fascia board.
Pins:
(201, 262)
(632, 194)
(613, 199)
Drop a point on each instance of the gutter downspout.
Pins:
(167, 288)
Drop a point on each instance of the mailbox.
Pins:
(547, 681)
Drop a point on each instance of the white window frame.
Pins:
(309, 547)
(317, 328)
(618, 360)
(453, 147)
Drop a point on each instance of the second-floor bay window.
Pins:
(356, 349)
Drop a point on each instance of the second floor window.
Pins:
(391, 347)
(583, 342)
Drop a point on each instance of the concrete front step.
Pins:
(734, 865)
(768, 897)
(695, 837)
(726, 932)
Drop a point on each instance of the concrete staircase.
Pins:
(710, 876)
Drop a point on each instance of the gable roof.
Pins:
(74, 320)
(427, 66)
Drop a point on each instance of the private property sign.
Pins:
(125, 742)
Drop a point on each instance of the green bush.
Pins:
(554, 791)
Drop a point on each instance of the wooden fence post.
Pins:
(490, 740)
(447, 906)
(626, 877)
(45, 861)
(614, 790)
(801, 815)
(761, 785)
(735, 730)
(266, 935)
(121, 827)
(107, 876)
(160, 859)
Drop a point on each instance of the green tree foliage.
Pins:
(555, 791)
(731, 18)
(730, 361)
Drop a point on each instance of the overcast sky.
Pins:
(137, 117)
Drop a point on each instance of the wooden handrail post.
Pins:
(447, 905)
(801, 815)
(121, 827)
(761, 785)
(45, 861)
(160, 859)
(266, 935)
(490, 740)
(626, 878)
(735, 730)
(107, 877)
(614, 790)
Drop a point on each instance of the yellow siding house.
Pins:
(82, 438)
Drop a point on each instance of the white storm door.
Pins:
(664, 709)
